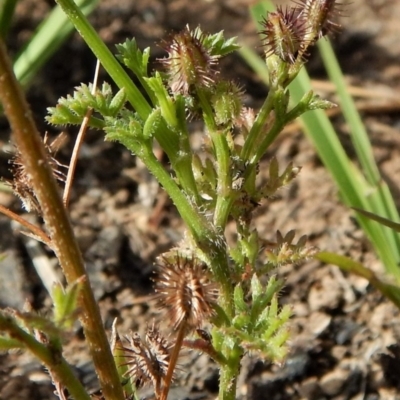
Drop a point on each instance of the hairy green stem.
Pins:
(209, 240)
(250, 145)
(216, 256)
(108, 61)
(224, 187)
(223, 162)
(29, 143)
(228, 375)
(279, 124)
(197, 224)
(54, 362)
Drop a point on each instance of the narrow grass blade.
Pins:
(49, 36)
(106, 58)
(384, 221)
(392, 292)
(7, 8)
(355, 190)
(380, 197)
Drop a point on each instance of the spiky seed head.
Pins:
(290, 31)
(319, 16)
(284, 32)
(148, 359)
(184, 289)
(21, 183)
(189, 62)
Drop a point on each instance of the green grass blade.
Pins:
(259, 10)
(384, 221)
(49, 36)
(350, 181)
(392, 292)
(380, 197)
(354, 188)
(108, 61)
(358, 132)
(7, 8)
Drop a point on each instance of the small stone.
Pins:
(332, 383)
(121, 197)
(346, 329)
(309, 389)
(319, 322)
(300, 310)
(325, 295)
(339, 352)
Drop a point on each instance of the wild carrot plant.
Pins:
(220, 297)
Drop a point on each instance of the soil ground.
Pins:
(344, 342)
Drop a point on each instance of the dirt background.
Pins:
(344, 334)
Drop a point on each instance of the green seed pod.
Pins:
(152, 124)
(117, 102)
(226, 102)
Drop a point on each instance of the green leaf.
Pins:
(256, 288)
(73, 109)
(137, 61)
(132, 57)
(121, 361)
(265, 296)
(384, 221)
(229, 342)
(316, 103)
(43, 324)
(252, 247)
(152, 124)
(126, 129)
(66, 304)
(165, 102)
(216, 44)
(242, 322)
(117, 102)
(238, 298)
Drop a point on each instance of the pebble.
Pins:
(333, 382)
(319, 322)
(346, 330)
(339, 352)
(309, 388)
(325, 295)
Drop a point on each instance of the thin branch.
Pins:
(64, 243)
(50, 357)
(173, 360)
(33, 228)
(78, 143)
